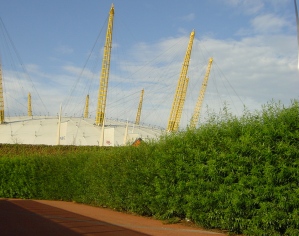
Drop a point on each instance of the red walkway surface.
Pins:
(56, 218)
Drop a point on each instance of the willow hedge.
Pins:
(239, 174)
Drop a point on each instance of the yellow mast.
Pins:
(29, 105)
(180, 108)
(180, 95)
(86, 106)
(102, 95)
(139, 108)
(195, 116)
(1, 97)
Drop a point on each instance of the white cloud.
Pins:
(64, 49)
(247, 6)
(253, 70)
(268, 23)
(188, 18)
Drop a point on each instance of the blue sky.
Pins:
(253, 44)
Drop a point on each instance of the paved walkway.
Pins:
(56, 218)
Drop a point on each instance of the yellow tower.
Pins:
(181, 106)
(86, 106)
(1, 97)
(102, 95)
(29, 105)
(139, 108)
(195, 116)
(180, 95)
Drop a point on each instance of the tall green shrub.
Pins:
(233, 173)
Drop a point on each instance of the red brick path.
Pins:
(56, 218)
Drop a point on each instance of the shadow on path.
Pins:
(26, 217)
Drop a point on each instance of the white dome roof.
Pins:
(73, 131)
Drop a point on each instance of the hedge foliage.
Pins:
(239, 174)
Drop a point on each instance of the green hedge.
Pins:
(236, 174)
